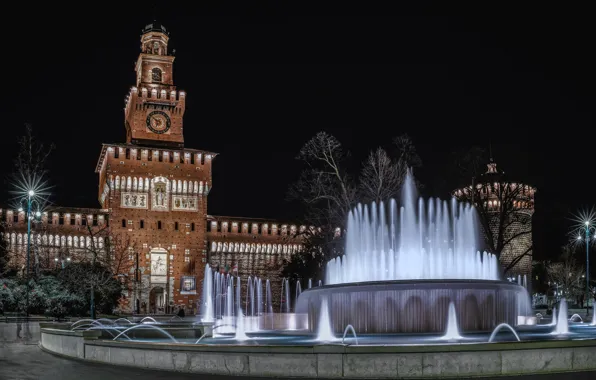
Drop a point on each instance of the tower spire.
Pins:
(490, 151)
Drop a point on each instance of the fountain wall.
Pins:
(415, 306)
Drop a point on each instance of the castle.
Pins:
(505, 210)
(153, 193)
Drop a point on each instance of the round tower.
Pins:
(505, 210)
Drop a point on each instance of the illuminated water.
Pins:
(431, 239)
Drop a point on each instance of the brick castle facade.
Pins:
(153, 195)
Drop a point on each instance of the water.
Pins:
(431, 239)
(207, 307)
(562, 326)
(349, 328)
(452, 332)
(498, 328)
(162, 331)
(325, 332)
(298, 289)
(240, 333)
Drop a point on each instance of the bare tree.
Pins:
(31, 160)
(380, 178)
(104, 257)
(30, 175)
(324, 186)
(567, 275)
(329, 193)
(407, 155)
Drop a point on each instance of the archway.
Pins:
(157, 300)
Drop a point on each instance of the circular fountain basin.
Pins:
(415, 306)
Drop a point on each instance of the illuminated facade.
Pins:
(505, 210)
(153, 193)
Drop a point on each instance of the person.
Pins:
(181, 312)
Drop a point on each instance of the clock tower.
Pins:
(154, 189)
(154, 109)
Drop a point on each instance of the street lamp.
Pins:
(587, 229)
(30, 199)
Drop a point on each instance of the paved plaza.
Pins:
(20, 361)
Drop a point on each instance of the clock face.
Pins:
(158, 122)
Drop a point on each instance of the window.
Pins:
(176, 226)
(116, 152)
(123, 222)
(128, 153)
(192, 226)
(61, 220)
(72, 221)
(142, 223)
(159, 224)
(84, 221)
(156, 75)
(95, 220)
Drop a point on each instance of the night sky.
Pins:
(261, 80)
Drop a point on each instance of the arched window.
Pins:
(156, 75)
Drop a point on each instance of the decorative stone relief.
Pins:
(185, 203)
(159, 266)
(134, 200)
(160, 195)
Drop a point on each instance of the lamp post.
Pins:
(30, 200)
(587, 229)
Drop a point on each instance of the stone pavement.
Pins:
(28, 362)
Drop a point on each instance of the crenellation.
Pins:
(243, 226)
(64, 217)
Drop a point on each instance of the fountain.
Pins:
(240, 333)
(502, 326)
(325, 332)
(562, 326)
(403, 267)
(159, 329)
(207, 307)
(452, 332)
(349, 328)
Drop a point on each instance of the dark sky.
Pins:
(262, 79)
